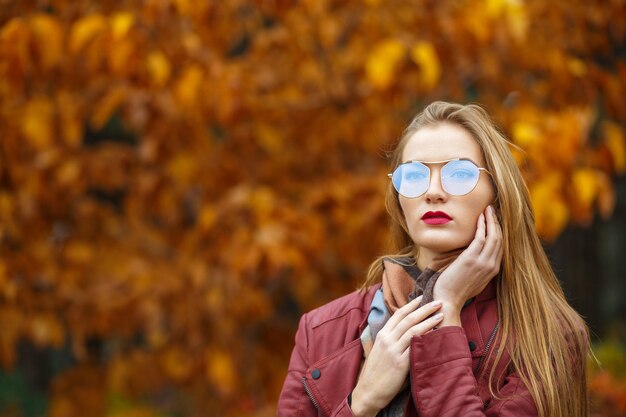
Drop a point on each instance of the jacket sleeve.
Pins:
(294, 401)
(443, 384)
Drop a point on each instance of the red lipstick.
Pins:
(436, 218)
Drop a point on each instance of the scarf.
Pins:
(402, 282)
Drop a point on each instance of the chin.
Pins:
(440, 241)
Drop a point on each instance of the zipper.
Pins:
(487, 346)
(308, 392)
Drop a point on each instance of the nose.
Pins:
(435, 191)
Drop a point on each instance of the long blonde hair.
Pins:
(546, 339)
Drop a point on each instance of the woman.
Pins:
(469, 319)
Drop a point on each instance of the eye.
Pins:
(462, 174)
(413, 176)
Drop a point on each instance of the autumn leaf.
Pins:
(50, 38)
(551, 211)
(121, 23)
(176, 364)
(616, 142)
(425, 56)
(46, 330)
(383, 62)
(105, 107)
(38, 122)
(15, 38)
(84, 30)
(526, 134)
(158, 67)
(586, 185)
(221, 371)
(187, 87)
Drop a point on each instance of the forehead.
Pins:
(441, 142)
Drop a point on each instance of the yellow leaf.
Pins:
(121, 24)
(551, 211)
(69, 172)
(46, 330)
(182, 167)
(159, 68)
(614, 139)
(526, 134)
(383, 62)
(585, 185)
(15, 38)
(221, 371)
(577, 67)
(49, 37)
(424, 54)
(37, 122)
(494, 8)
(187, 87)
(517, 18)
(106, 106)
(84, 30)
(176, 363)
(263, 201)
(269, 138)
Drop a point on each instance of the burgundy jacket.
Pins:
(446, 372)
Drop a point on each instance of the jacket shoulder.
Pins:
(355, 302)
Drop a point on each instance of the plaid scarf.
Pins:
(402, 282)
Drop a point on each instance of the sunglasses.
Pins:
(458, 177)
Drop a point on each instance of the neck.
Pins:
(425, 257)
(428, 257)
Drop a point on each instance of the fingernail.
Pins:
(438, 316)
(435, 303)
(491, 210)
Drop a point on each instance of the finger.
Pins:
(492, 239)
(401, 313)
(416, 317)
(419, 329)
(476, 246)
(496, 220)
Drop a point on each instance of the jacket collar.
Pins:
(331, 379)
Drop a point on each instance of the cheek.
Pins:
(405, 207)
(474, 208)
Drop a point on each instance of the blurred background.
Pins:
(180, 180)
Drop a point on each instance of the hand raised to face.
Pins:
(470, 273)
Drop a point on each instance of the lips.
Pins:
(436, 217)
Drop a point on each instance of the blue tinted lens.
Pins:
(411, 179)
(459, 177)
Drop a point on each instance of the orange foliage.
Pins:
(180, 179)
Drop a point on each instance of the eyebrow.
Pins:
(445, 160)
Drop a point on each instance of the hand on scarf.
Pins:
(386, 368)
(470, 273)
